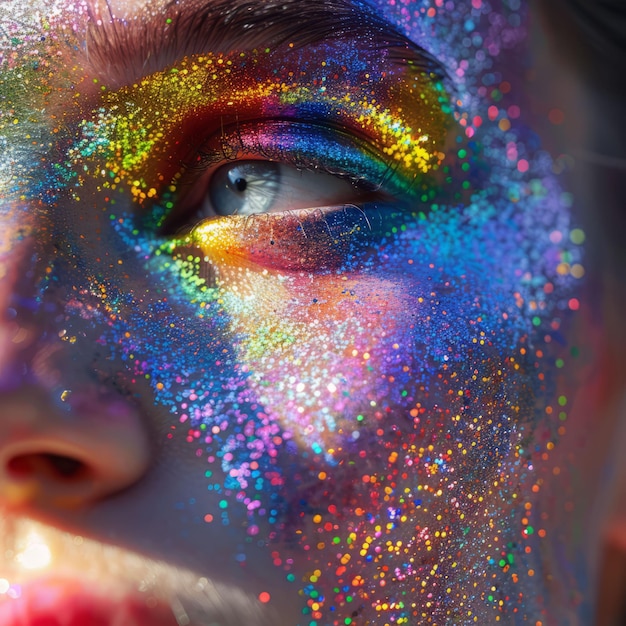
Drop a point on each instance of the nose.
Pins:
(68, 453)
(68, 437)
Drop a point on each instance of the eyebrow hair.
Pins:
(127, 50)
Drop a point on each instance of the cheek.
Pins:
(400, 406)
(322, 356)
(337, 360)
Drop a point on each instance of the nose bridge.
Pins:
(50, 330)
(67, 436)
(31, 307)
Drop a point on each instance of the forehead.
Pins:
(127, 8)
(128, 41)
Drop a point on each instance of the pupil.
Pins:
(241, 184)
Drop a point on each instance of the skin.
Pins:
(391, 418)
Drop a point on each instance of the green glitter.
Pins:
(577, 236)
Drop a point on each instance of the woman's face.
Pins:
(293, 320)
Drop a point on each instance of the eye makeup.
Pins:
(141, 134)
(393, 350)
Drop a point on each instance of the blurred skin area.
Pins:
(306, 318)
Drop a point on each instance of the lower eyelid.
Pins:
(314, 241)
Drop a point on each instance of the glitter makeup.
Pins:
(372, 391)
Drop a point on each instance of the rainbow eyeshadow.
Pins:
(141, 134)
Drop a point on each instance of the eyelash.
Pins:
(248, 137)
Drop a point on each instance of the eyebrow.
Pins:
(127, 50)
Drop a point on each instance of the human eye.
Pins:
(272, 168)
(253, 187)
(285, 195)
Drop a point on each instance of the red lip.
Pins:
(61, 602)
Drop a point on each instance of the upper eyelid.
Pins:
(238, 128)
(173, 116)
(155, 124)
(247, 148)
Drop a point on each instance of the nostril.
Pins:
(93, 449)
(45, 464)
(66, 466)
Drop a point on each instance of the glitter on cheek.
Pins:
(397, 396)
(407, 385)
